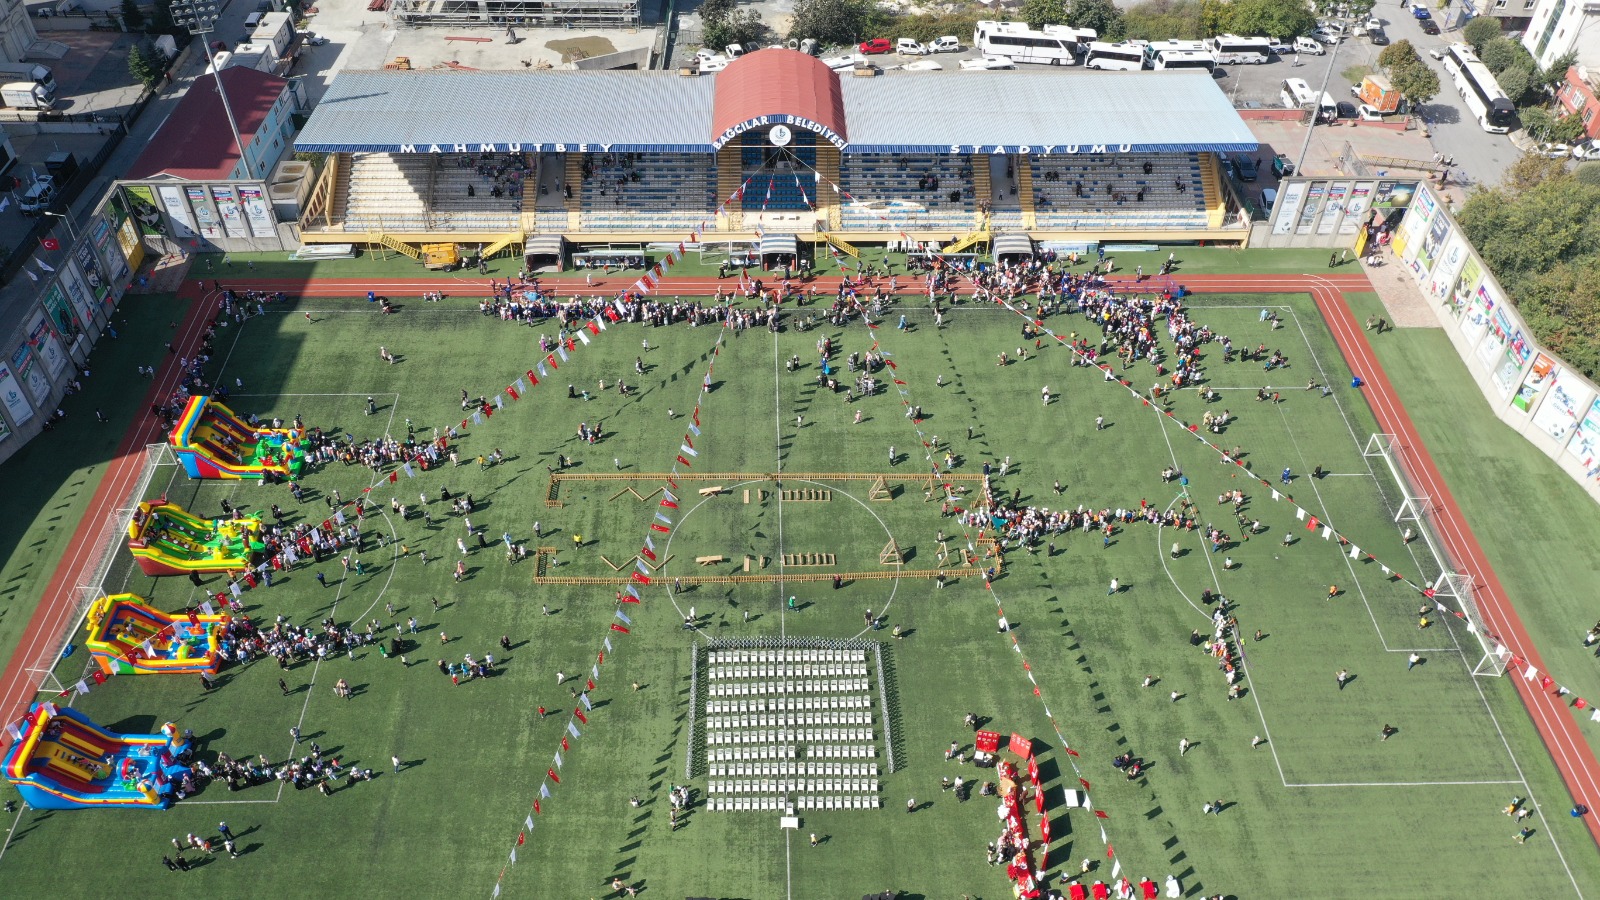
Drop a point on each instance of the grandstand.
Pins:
(775, 143)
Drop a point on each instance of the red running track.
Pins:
(55, 612)
(1574, 758)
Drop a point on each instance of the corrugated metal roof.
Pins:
(378, 110)
(1068, 110)
(1169, 111)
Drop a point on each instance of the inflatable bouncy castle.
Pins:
(167, 539)
(61, 760)
(211, 442)
(127, 636)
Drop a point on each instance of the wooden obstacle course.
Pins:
(690, 580)
(630, 561)
(879, 490)
(542, 559)
(712, 491)
(805, 495)
(710, 560)
(642, 498)
(891, 554)
(808, 560)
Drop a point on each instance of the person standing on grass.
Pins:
(1342, 677)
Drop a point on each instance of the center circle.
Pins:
(666, 550)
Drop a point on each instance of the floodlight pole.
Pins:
(200, 17)
(1305, 146)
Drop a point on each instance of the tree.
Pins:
(1500, 54)
(145, 65)
(739, 27)
(1039, 13)
(1550, 77)
(831, 21)
(1160, 20)
(1515, 81)
(1568, 129)
(1101, 15)
(1481, 31)
(1538, 122)
(1278, 18)
(717, 10)
(132, 15)
(1399, 53)
(1588, 173)
(1415, 82)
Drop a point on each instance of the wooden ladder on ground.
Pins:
(1211, 183)
(504, 241)
(842, 245)
(968, 241)
(574, 180)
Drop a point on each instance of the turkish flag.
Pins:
(50, 243)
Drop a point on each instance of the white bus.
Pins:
(1024, 45)
(1152, 49)
(1123, 57)
(1231, 49)
(1489, 104)
(1294, 93)
(1079, 36)
(1183, 59)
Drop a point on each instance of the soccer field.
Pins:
(1321, 808)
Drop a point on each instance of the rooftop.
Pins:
(195, 143)
(1040, 111)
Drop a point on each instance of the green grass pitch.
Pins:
(1321, 809)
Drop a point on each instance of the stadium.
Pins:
(777, 149)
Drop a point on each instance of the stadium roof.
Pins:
(1043, 112)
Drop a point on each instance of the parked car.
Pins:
(1420, 12)
(1378, 38)
(1245, 168)
(1308, 45)
(947, 44)
(1281, 166)
(1586, 150)
(1347, 110)
(987, 63)
(876, 45)
(910, 47)
(1554, 151)
(1429, 26)
(1366, 112)
(1373, 23)
(1436, 52)
(733, 51)
(1281, 46)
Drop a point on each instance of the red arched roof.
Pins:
(775, 86)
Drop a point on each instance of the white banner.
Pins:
(256, 211)
(11, 395)
(177, 211)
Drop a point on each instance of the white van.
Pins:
(1304, 44)
(910, 47)
(947, 44)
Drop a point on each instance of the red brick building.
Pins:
(1577, 96)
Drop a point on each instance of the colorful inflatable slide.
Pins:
(211, 442)
(167, 539)
(61, 760)
(127, 636)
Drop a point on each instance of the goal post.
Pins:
(1450, 587)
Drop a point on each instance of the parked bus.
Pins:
(1488, 103)
(1123, 57)
(1231, 49)
(1183, 59)
(1022, 44)
(1156, 47)
(1294, 93)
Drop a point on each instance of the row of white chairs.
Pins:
(759, 804)
(786, 704)
(870, 801)
(784, 736)
(788, 654)
(794, 786)
(842, 751)
(788, 670)
(802, 686)
(771, 751)
(787, 720)
(846, 770)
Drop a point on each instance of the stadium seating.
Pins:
(893, 192)
(387, 191)
(639, 191)
(453, 210)
(1111, 195)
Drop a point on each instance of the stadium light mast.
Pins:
(200, 18)
(1305, 145)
